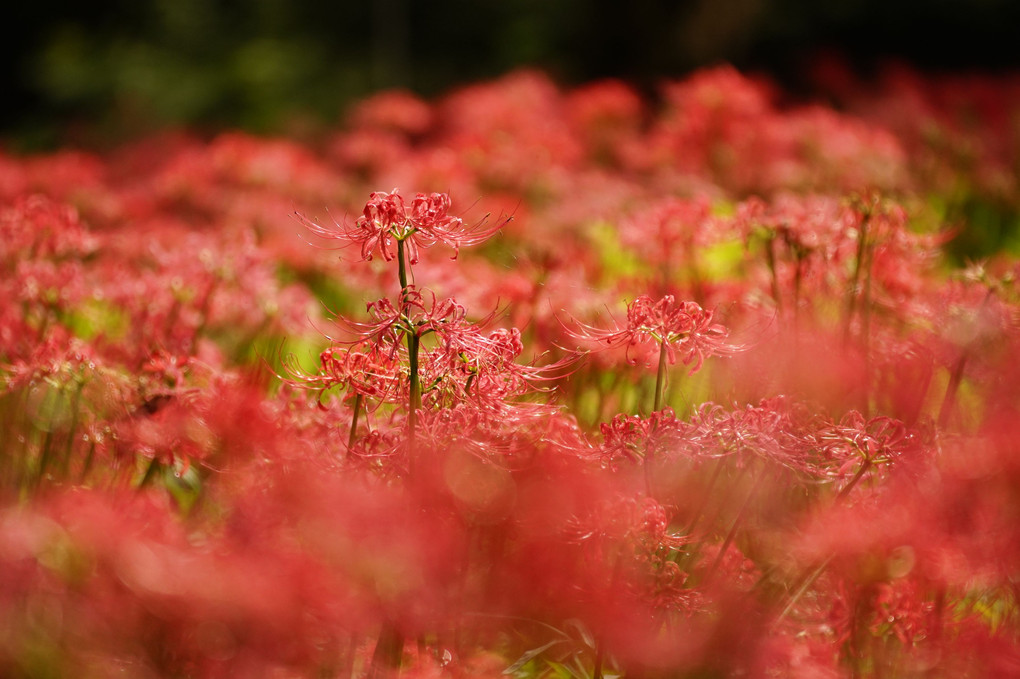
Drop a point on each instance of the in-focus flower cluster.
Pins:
(684, 329)
(838, 500)
(387, 221)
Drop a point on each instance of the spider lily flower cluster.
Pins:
(835, 497)
(387, 222)
(682, 329)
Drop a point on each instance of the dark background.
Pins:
(118, 67)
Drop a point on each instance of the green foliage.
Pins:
(94, 318)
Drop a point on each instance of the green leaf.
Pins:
(563, 671)
(528, 656)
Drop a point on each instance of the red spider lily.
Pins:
(381, 444)
(385, 328)
(526, 438)
(466, 363)
(631, 437)
(852, 527)
(859, 442)
(628, 579)
(642, 523)
(369, 372)
(472, 365)
(683, 328)
(387, 220)
(773, 431)
(421, 313)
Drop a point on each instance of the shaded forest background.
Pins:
(102, 70)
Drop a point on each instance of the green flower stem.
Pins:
(805, 583)
(44, 456)
(809, 578)
(853, 292)
(949, 400)
(719, 464)
(798, 277)
(596, 672)
(150, 473)
(389, 650)
(660, 382)
(660, 377)
(358, 398)
(865, 466)
(402, 272)
(736, 525)
(956, 374)
(48, 441)
(87, 465)
(600, 646)
(413, 346)
(770, 259)
(694, 548)
(414, 402)
(75, 414)
(389, 647)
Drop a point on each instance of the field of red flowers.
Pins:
(694, 385)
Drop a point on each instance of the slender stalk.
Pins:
(358, 398)
(798, 277)
(660, 377)
(150, 473)
(956, 376)
(660, 380)
(203, 314)
(44, 456)
(732, 534)
(600, 647)
(69, 445)
(402, 272)
(414, 401)
(855, 281)
(347, 663)
(413, 346)
(695, 547)
(806, 582)
(949, 400)
(389, 648)
(813, 575)
(940, 613)
(388, 652)
(857, 477)
(865, 310)
(770, 259)
(720, 463)
(855, 644)
(87, 465)
(599, 652)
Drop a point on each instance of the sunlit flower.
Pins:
(387, 220)
(684, 328)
